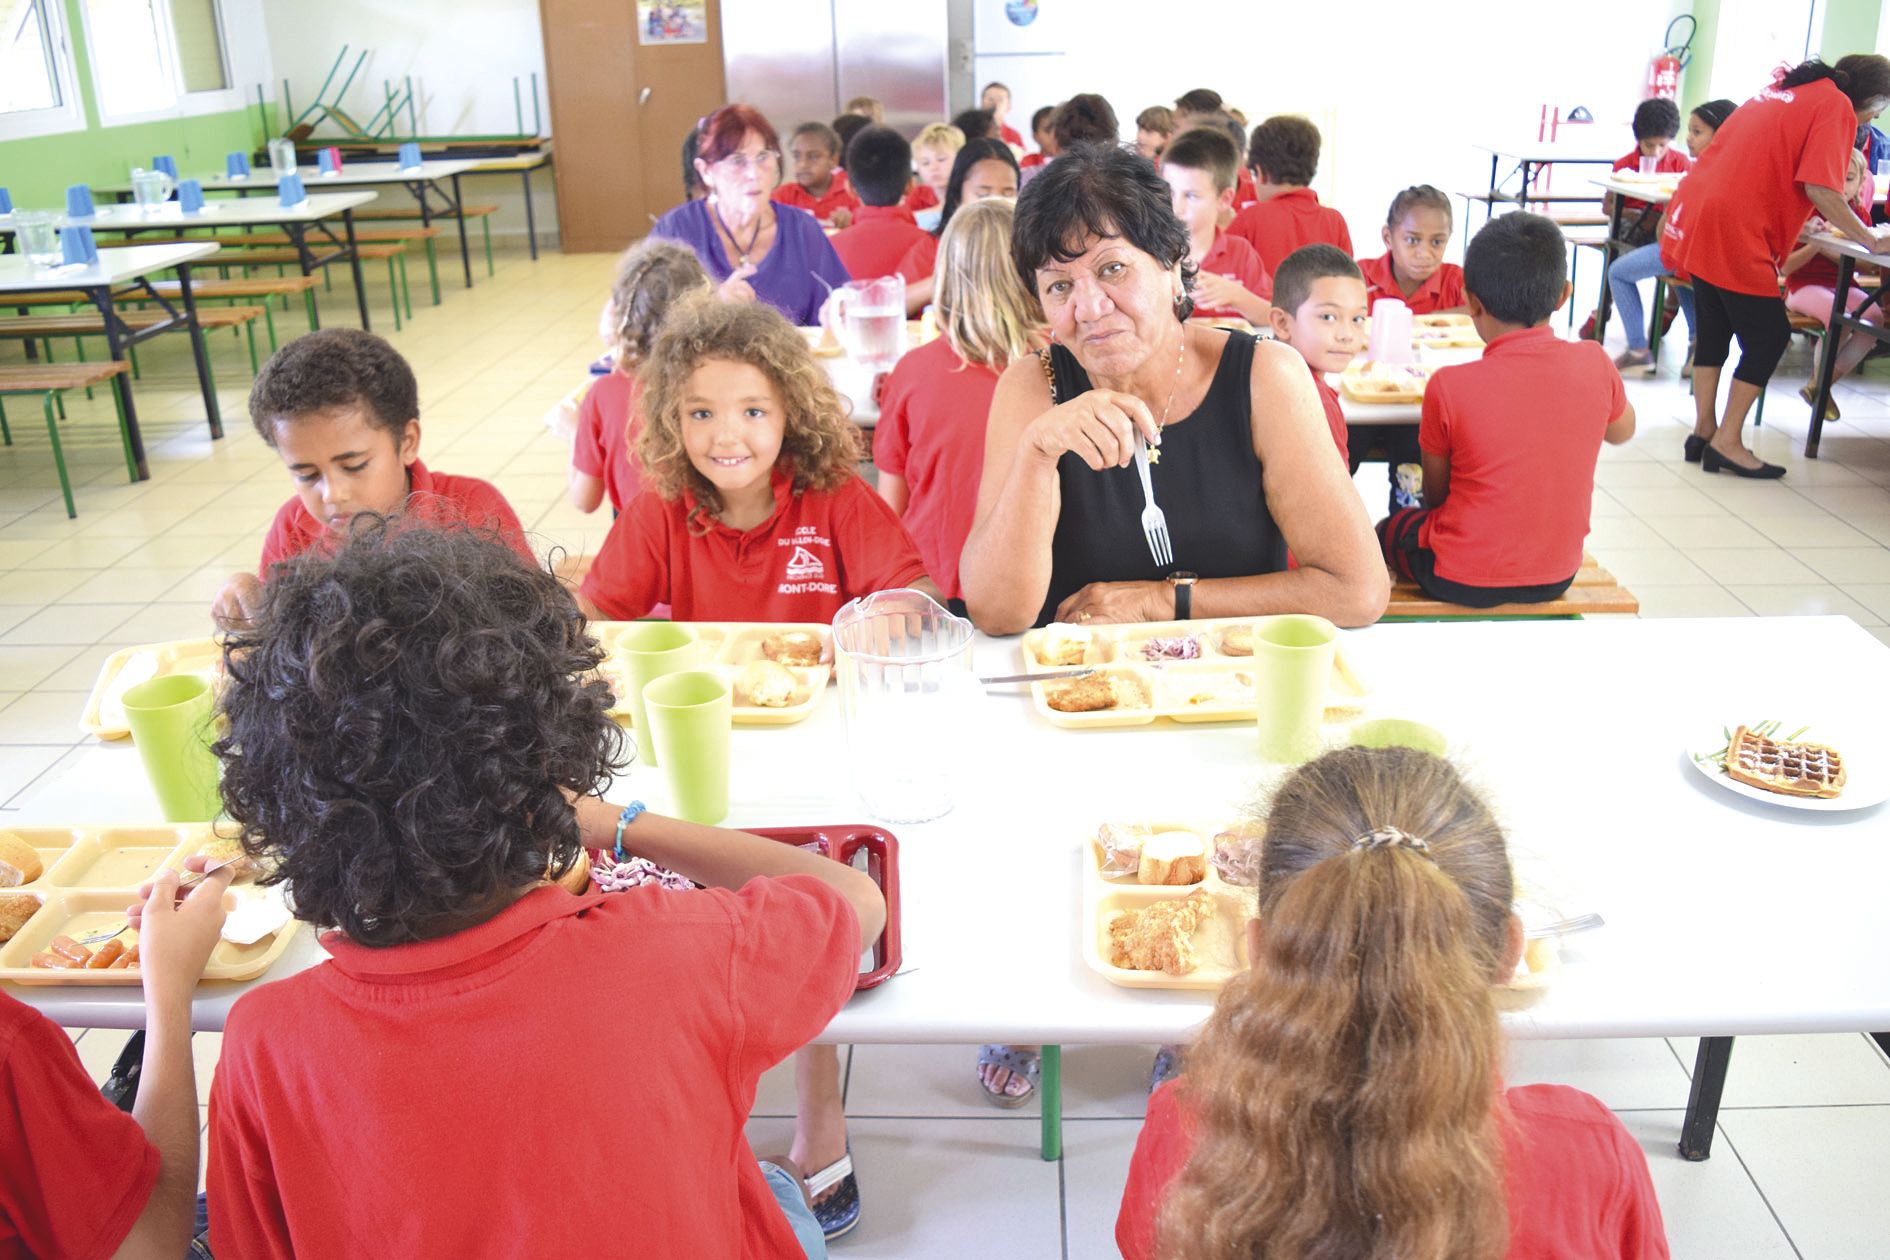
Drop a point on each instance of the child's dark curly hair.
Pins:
(335, 367)
(404, 717)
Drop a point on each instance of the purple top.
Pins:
(787, 278)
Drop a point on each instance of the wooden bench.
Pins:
(244, 244)
(205, 290)
(1594, 590)
(43, 328)
(482, 213)
(50, 381)
(394, 253)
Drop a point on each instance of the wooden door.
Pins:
(619, 112)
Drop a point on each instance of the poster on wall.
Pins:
(677, 22)
(1003, 27)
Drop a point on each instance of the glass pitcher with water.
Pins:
(908, 693)
(869, 319)
(281, 158)
(150, 189)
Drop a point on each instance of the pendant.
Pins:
(1154, 454)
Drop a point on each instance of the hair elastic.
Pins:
(631, 813)
(1390, 838)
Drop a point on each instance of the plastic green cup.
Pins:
(1399, 733)
(1292, 658)
(651, 649)
(690, 716)
(173, 721)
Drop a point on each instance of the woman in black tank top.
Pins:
(1241, 464)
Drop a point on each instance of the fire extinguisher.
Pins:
(1663, 73)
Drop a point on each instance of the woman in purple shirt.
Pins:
(755, 249)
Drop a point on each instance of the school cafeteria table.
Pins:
(424, 182)
(133, 266)
(1848, 254)
(1356, 412)
(1724, 915)
(313, 216)
(1531, 158)
(524, 164)
(1655, 198)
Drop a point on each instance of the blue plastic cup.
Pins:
(79, 202)
(236, 166)
(76, 245)
(6, 202)
(410, 155)
(190, 196)
(166, 163)
(289, 191)
(326, 162)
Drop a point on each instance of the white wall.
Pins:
(1401, 91)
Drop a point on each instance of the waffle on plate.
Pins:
(1787, 767)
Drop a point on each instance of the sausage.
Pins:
(107, 952)
(126, 960)
(66, 947)
(46, 958)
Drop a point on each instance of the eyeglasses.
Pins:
(742, 163)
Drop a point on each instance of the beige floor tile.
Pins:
(1772, 565)
(1845, 502)
(33, 666)
(1848, 564)
(1719, 529)
(82, 553)
(127, 582)
(1688, 601)
(1792, 532)
(69, 623)
(1803, 601)
(1651, 565)
(1665, 500)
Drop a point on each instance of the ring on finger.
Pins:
(1084, 615)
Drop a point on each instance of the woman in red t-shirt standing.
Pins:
(1345, 1098)
(1738, 214)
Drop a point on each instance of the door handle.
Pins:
(643, 97)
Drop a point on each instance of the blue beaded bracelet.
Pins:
(631, 813)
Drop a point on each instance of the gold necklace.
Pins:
(1155, 452)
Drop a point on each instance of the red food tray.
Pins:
(844, 844)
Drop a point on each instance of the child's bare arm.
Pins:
(236, 604)
(1797, 258)
(1437, 477)
(1620, 429)
(585, 491)
(894, 490)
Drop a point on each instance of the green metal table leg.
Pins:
(393, 291)
(1050, 1093)
(59, 456)
(485, 230)
(6, 434)
(269, 322)
(406, 291)
(124, 430)
(249, 332)
(433, 272)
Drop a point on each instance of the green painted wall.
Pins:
(1850, 26)
(38, 171)
(1697, 80)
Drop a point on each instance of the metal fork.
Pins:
(191, 880)
(1580, 923)
(1154, 524)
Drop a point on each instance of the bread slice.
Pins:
(15, 910)
(19, 861)
(1172, 857)
(766, 685)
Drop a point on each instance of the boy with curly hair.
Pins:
(1284, 156)
(486, 1063)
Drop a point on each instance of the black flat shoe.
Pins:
(1712, 461)
(1695, 444)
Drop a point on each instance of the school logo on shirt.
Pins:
(806, 570)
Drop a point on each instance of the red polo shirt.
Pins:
(435, 498)
(921, 198)
(1442, 290)
(820, 549)
(1235, 259)
(1009, 135)
(1575, 1180)
(1737, 215)
(876, 241)
(567, 1076)
(921, 260)
(1245, 194)
(1335, 414)
(839, 197)
(602, 447)
(1284, 222)
(931, 432)
(1522, 457)
(75, 1172)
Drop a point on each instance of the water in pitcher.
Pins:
(876, 335)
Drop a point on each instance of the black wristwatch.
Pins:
(1183, 582)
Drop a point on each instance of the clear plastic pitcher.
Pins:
(151, 189)
(282, 157)
(908, 693)
(1391, 333)
(868, 317)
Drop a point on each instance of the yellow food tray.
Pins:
(92, 876)
(1445, 332)
(104, 714)
(727, 646)
(1217, 686)
(1406, 384)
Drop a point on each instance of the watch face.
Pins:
(1180, 576)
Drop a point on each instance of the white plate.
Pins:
(1867, 772)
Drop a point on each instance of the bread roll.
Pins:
(766, 685)
(1172, 857)
(14, 912)
(1064, 645)
(19, 861)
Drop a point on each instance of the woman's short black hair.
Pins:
(404, 717)
(1098, 190)
(976, 123)
(1516, 266)
(335, 367)
(972, 152)
(1656, 118)
(1085, 118)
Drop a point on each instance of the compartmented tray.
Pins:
(1219, 940)
(728, 649)
(1445, 332)
(104, 714)
(1183, 671)
(1385, 383)
(92, 875)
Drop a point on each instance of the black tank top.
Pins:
(1207, 485)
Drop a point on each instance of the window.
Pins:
(149, 57)
(29, 76)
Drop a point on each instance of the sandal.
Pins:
(835, 1197)
(1166, 1067)
(1027, 1064)
(1810, 396)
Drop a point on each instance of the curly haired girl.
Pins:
(1346, 1098)
(753, 507)
(651, 276)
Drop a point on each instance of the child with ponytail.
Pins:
(1346, 1098)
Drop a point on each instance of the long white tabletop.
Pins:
(1833, 244)
(264, 179)
(1724, 915)
(114, 266)
(248, 212)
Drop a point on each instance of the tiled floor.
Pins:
(1803, 1152)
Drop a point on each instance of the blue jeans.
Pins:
(787, 1192)
(1625, 277)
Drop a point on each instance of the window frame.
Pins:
(185, 104)
(69, 114)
